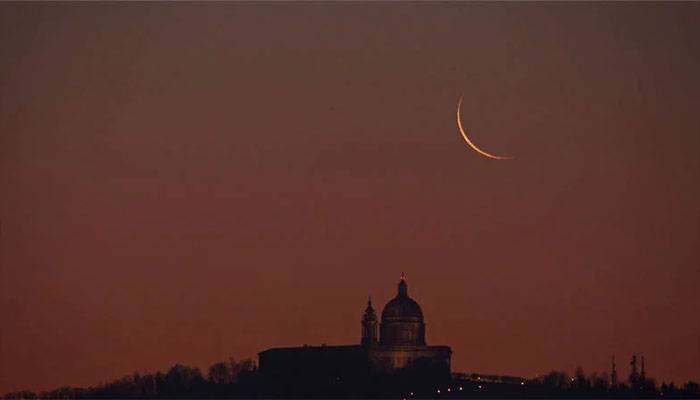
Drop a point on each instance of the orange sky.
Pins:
(184, 183)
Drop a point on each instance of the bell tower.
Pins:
(369, 325)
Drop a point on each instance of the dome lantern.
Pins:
(403, 287)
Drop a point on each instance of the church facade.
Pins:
(395, 343)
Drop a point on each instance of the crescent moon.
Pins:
(469, 142)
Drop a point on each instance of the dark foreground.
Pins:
(242, 380)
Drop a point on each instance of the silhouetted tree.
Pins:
(669, 390)
(147, 385)
(692, 388)
(242, 370)
(600, 382)
(220, 373)
(581, 384)
(556, 380)
(23, 394)
(183, 381)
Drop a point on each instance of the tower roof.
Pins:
(369, 311)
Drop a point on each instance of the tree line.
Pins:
(242, 379)
(559, 384)
(232, 378)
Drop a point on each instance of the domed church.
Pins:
(400, 344)
(402, 321)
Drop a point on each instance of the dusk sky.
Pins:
(192, 182)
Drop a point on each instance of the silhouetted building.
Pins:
(401, 346)
(369, 325)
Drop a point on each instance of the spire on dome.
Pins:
(403, 287)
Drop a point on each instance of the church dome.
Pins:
(402, 320)
(402, 308)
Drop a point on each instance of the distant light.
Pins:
(449, 389)
(411, 393)
(479, 386)
(438, 391)
(522, 383)
(460, 388)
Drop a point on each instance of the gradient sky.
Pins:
(189, 182)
